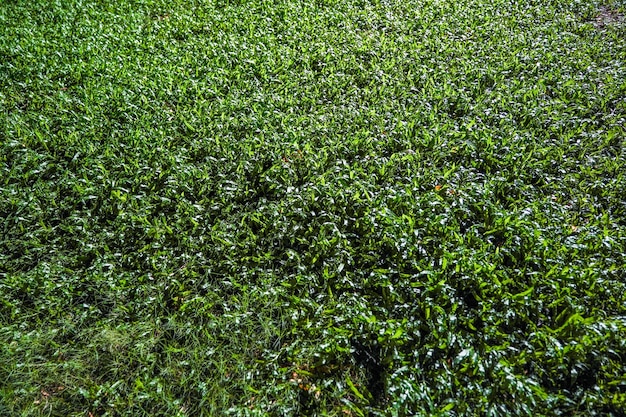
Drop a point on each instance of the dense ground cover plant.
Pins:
(300, 207)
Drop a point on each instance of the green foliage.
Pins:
(315, 207)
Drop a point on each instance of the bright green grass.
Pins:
(306, 207)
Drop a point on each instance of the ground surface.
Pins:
(312, 208)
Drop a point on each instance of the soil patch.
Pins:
(607, 16)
